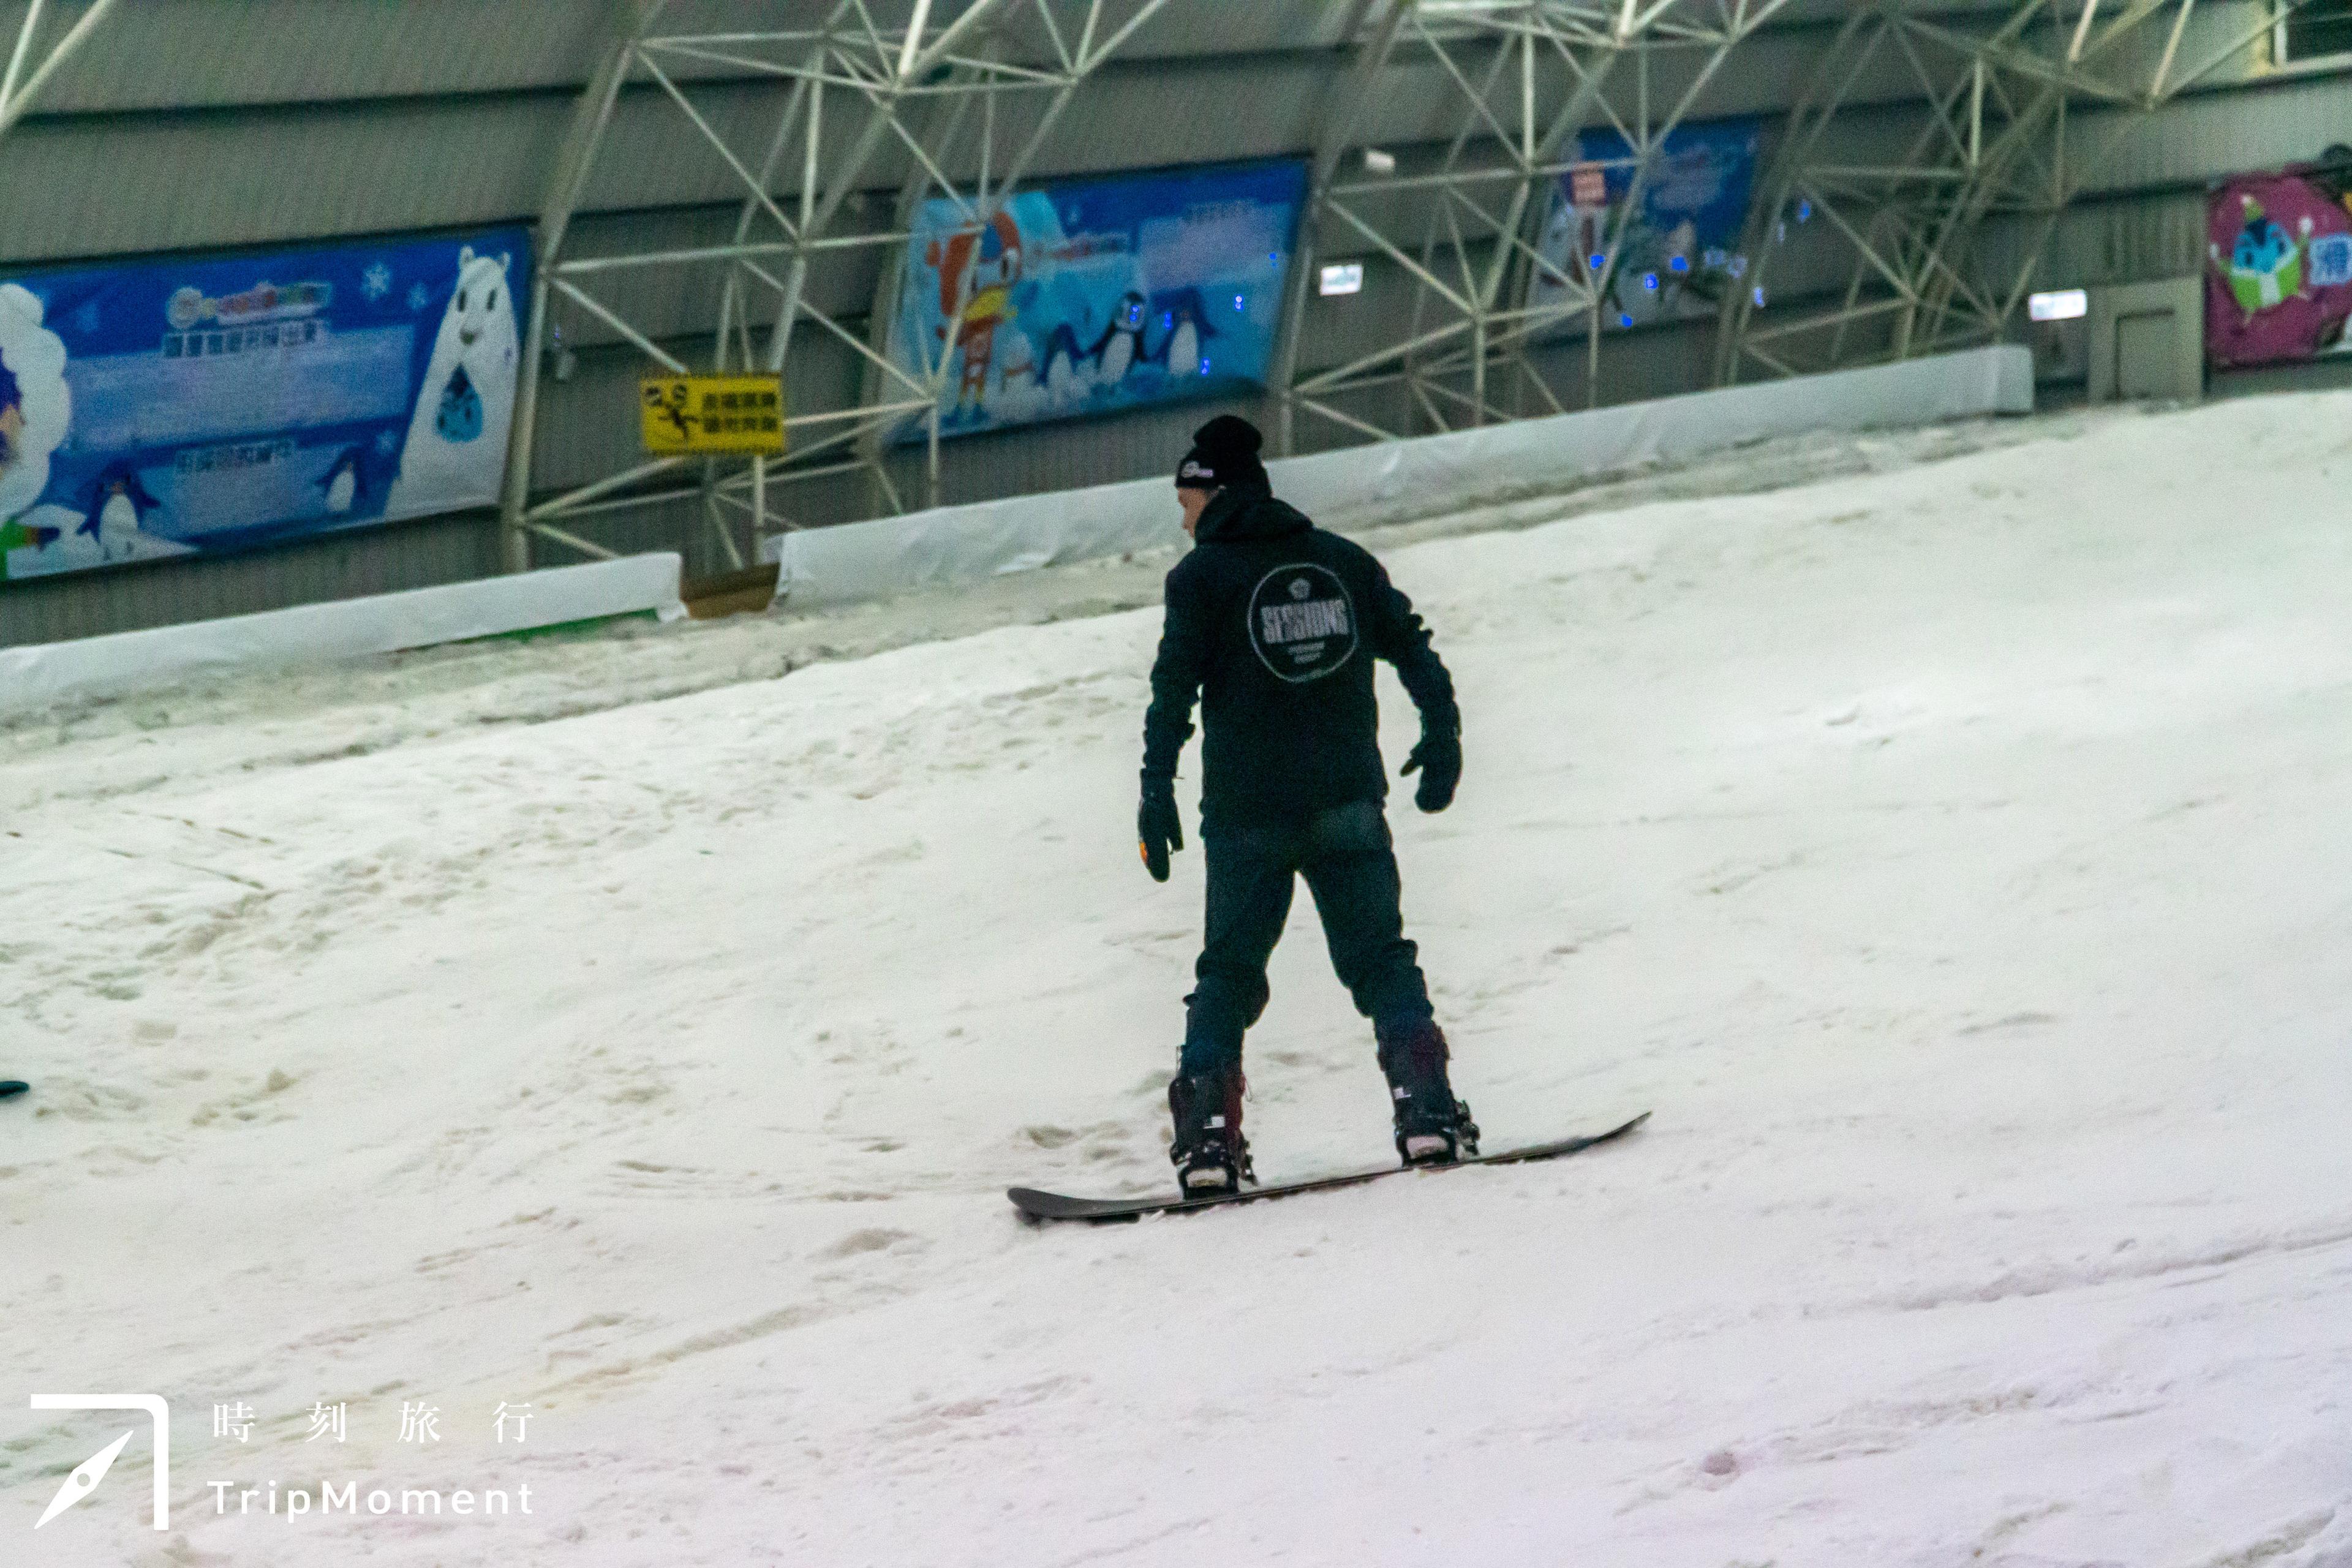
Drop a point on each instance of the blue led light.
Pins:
(1678, 264)
(1600, 259)
(1759, 295)
(1804, 210)
(1650, 281)
(1625, 321)
(1204, 364)
(1237, 301)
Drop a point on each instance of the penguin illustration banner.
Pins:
(1093, 296)
(2278, 274)
(166, 408)
(1679, 250)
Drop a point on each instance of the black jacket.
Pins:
(1274, 624)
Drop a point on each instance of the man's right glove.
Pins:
(1159, 826)
(1438, 760)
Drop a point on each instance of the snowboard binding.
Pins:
(1209, 1151)
(1432, 1128)
(1437, 1139)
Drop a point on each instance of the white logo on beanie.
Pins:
(1194, 469)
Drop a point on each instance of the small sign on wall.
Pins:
(689, 415)
(1340, 277)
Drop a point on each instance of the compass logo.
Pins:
(92, 1470)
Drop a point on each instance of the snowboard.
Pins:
(12, 1089)
(1037, 1206)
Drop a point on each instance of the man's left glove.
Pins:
(1438, 760)
(1159, 826)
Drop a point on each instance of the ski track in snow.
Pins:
(1948, 851)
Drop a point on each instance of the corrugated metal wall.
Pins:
(203, 124)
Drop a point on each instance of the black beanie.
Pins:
(1224, 452)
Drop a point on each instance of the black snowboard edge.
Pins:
(1037, 1206)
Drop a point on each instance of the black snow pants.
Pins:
(1350, 864)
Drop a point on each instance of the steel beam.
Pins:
(2004, 85)
(18, 90)
(913, 88)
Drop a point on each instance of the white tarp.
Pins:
(35, 676)
(1426, 474)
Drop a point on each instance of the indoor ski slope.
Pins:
(1958, 860)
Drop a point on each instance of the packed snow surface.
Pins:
(1954, 857)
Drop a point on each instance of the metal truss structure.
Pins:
(1944, 232)
(1526, 76)
(1937, 142)
(30, 66)
(928, 96)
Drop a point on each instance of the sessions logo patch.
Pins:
(1302, 622)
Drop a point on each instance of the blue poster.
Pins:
(175, 408)
(1098, 295)
(1679, 249)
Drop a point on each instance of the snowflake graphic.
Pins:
(377, 282)
(418, 296)
(385, 441)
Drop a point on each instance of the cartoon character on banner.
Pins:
(1069, 372)
(2280, 284)
(2265, 267)
(457, 448)
(36, 412)
(1121, 345)
(1184, 320)
(977, 269)
(116, 516)
(1061, 378)
(346, 482)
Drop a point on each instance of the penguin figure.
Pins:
(118, 504)
(1062, 380)
(346, 482)
(1186, 320)
(1121, 344)
(1185, 349)
(1062, 353)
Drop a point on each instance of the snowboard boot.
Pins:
(1432, 1128)
(1209, 1153)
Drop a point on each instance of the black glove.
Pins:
(1159, 826)
(1438, 760)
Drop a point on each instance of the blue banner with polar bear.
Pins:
(1091, 296)
(166, 408)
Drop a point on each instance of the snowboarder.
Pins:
(1274, 624)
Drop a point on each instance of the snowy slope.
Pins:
(1953, 857)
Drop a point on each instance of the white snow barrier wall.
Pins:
(1394, 480)
(40, 674)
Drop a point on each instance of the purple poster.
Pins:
(2278, 279)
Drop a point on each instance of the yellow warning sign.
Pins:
(696, 414)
